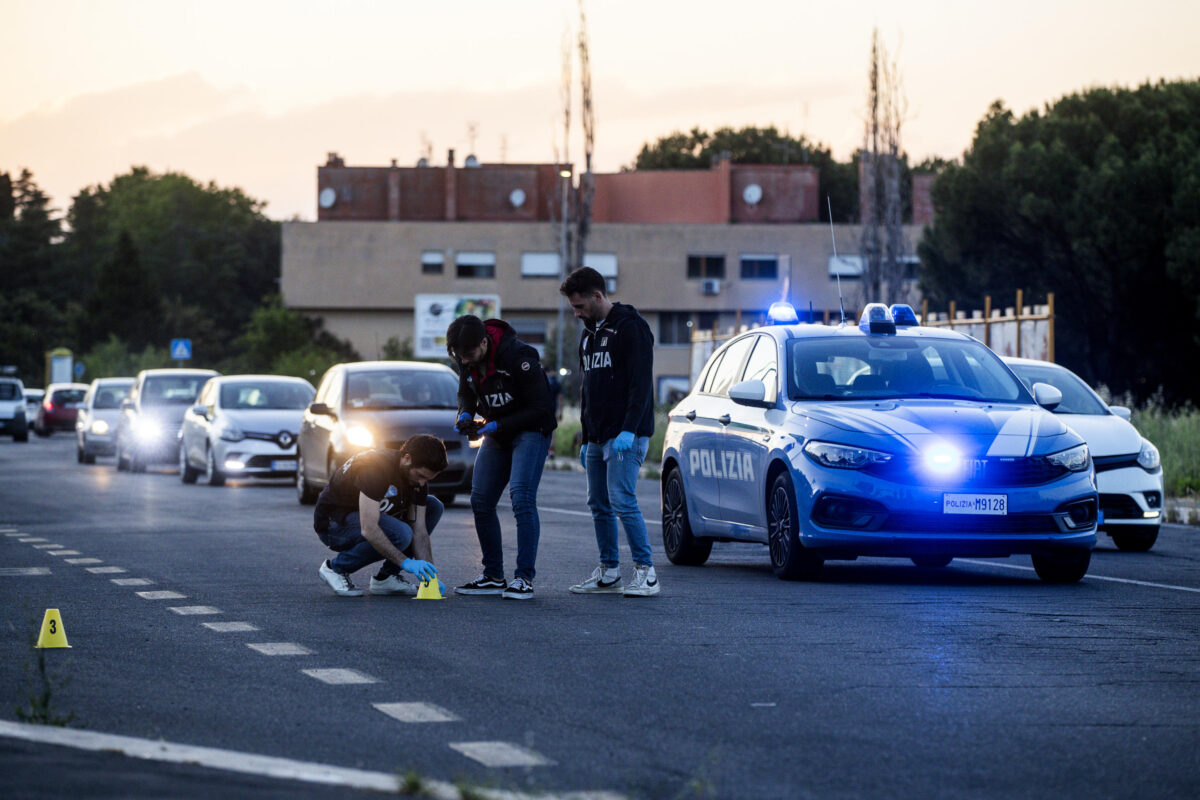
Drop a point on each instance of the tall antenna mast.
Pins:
(841, 305)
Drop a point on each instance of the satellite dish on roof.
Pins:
(327, 197)
(752, 194)
(422, 162)
(517, 198)
(471, 161)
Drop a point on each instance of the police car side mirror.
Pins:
(1121, 411)
(1046, 396)
(751, 393)
(321, 409)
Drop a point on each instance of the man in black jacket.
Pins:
(616, 356)
(501, 380)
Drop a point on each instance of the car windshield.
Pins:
(9, 391)
(878, 367)
(109, 396)
(262, 395)
(401, 389)
(169, 390)
(68, 395)
(1077, 398)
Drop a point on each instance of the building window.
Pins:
(706, 266)
(707, 320)
(760, 267)
(532, 332)
(432, 262)
(674, 327)
(540, 265)
(475, 265)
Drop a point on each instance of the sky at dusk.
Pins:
(255, 93)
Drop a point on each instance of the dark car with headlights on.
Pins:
(148, 429)
(882, 439)
(380, 404)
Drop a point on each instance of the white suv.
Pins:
(12, 410)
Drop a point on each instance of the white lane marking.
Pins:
(191, 611)
(32, 539)
(588, 514)
(339, 676)
(48, 547)
(11, 532)
(229, 627)
(64, 552)
(106, 570)
(164, 595)
(500, 754)
(1088, 577)
(762, 705)
(83, 560)
(133, 582)
(24, 571)
(279, 648)
(416, 712)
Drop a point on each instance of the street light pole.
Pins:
(565, 174)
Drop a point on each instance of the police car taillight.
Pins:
(876, 319)
(903, 315)
(782, 313)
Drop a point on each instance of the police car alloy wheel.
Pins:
(789, 559)
(681, 547)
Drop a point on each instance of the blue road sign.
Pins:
(181, 349)
(79, 369)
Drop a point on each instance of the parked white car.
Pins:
(96, 422)
(1129, 472)
(33, 401)
(13, 421)
(243, 426)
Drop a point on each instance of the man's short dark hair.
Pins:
(583, 281)
(426, 452)
(463, 334)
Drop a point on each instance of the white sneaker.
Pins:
(393, 584)
(340, 583)
(604, 580)
(644, 583)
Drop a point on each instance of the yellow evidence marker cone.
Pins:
(429, 590)
(52, 634)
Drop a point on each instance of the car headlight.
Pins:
(230, 432)
(840, 456)
(1076, 458)
(1148, 456)
(99, 427)
(146, 430)
(359, 436)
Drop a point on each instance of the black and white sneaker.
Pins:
(644, 583)
(604, 580)
(340, 583)
(482, 585)
(519, 589)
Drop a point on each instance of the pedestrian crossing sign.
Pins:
(181, 349)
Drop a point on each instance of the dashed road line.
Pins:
(106, 570)
(279, 648)
(28, 539)
(83, 560)
(48, 546)
(501, 754)
(160, 595)
(416, 712)
(192, 611)
(133, 581)
(19, 571)
(339, 677)
(230, 627)
(64, 552)
(11, 532)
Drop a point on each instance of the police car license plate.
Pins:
(284, 464)
(990, 504)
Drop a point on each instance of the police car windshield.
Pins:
(878, 367)
(1078, 398)
(401, 389)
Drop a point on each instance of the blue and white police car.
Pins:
(885, 439)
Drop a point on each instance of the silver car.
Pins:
(96, 422)
(148, 431)
(243, 426)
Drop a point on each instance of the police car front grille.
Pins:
(970, 524)
(977, 473)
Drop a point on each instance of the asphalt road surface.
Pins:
(197, 620)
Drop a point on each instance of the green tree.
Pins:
(697, 149)
(279, 340)
(1098, 200)
(126, 302)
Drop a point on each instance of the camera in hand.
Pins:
(470, 427)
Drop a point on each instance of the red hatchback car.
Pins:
(59, 408)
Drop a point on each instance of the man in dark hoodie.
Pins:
(501, 380)
(616, 356)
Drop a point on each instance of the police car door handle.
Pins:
(724, 419)
(691, 416)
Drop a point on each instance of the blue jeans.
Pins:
(354, 552)
(612, 494)
(517, 465)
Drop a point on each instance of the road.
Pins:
(880, 680)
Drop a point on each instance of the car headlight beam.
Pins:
(99, 427)
(840, 456)
(359, 436)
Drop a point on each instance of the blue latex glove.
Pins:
(624, 442)
(583, 455)
(422, 569)
(463, 417)
(489, 428)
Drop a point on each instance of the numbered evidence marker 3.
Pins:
(52, 634)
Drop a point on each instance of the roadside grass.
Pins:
(1176, 434)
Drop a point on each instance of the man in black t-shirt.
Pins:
(377, 507)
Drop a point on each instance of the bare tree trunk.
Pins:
(587, 186)
(870, 247)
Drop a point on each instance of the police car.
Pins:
(882, 439)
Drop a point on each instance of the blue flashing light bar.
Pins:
(782, 313)
(876, 319)
(903, 315)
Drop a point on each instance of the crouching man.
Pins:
(377, 507)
